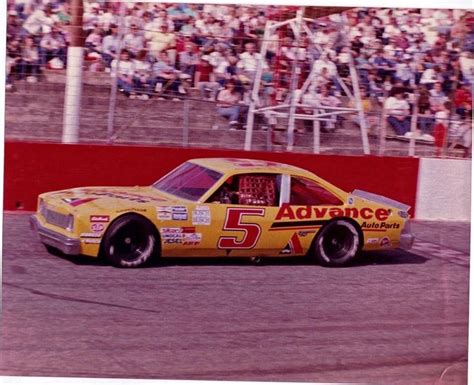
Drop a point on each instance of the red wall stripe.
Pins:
(33, 168)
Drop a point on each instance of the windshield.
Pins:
(188, 181)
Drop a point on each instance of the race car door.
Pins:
(243, 211)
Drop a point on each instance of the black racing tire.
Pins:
(337, 243)
(130, 241)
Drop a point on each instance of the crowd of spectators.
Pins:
(408, 57)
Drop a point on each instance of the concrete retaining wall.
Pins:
(444, 190)
(33, 168)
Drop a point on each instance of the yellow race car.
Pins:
(219, 207)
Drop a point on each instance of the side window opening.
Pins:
(249, 189)
(307, 192)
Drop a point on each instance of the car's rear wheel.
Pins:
(130, 241)
(337, 243)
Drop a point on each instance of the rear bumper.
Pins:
(406, 241)
(69, 246)
(406, 237)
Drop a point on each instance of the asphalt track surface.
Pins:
(394, 317)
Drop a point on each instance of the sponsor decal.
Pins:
(180, 235)
(128, 210)
(385, 242)
(201, 215)
(169, 231)
(304, 233)
(315, 212)
(171, 235)
(350, 200)
(372, 241)
(293, 246)
(99, 218)
(382, 226)
(97, 227)
(78, 201)
(163, 213)
(179, 213)
(192, 239)
(90, 235)
(172, 213)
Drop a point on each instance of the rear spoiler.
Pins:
(380, 199)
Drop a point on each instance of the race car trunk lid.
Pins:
(380, 199)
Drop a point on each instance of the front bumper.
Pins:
(69, 246)
(406, 237)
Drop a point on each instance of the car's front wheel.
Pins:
(336, 243)
(130, 241)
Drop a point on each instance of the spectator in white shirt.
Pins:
(123, 70)
(91, 17)
(93, 43)
(437, 97)
(404, 71)
(325, 99)
(133, 41)
(40, 18)
(331, 70)
(398, 109)
(248, 62)
(30, 65)
(110, 46)
(164, 42)
(431, 76)
(53, 45)
(142, 77)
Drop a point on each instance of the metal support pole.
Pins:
(113, 88)
(294, 83)
(360, 109)
(383, 127)
(414, 121)
(316, 135)
(255, 88)
(73, 93)
(356, 96)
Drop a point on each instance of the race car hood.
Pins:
(106, 197)
(380, 199)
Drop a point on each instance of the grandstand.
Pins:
(338, 73)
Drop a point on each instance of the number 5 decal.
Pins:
(234, 222)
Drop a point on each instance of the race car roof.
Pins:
(249, 165)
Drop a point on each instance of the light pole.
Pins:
(75, 57)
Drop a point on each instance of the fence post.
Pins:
(295, 72)
(186, 123)
(316, 135)
(113, 89)
(383, 129)
(414, 122)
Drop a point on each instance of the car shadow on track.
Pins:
(388, 257)
(385, 257)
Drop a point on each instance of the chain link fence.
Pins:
(173, 99)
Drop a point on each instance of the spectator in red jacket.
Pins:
(204, 79)
(463, 100)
